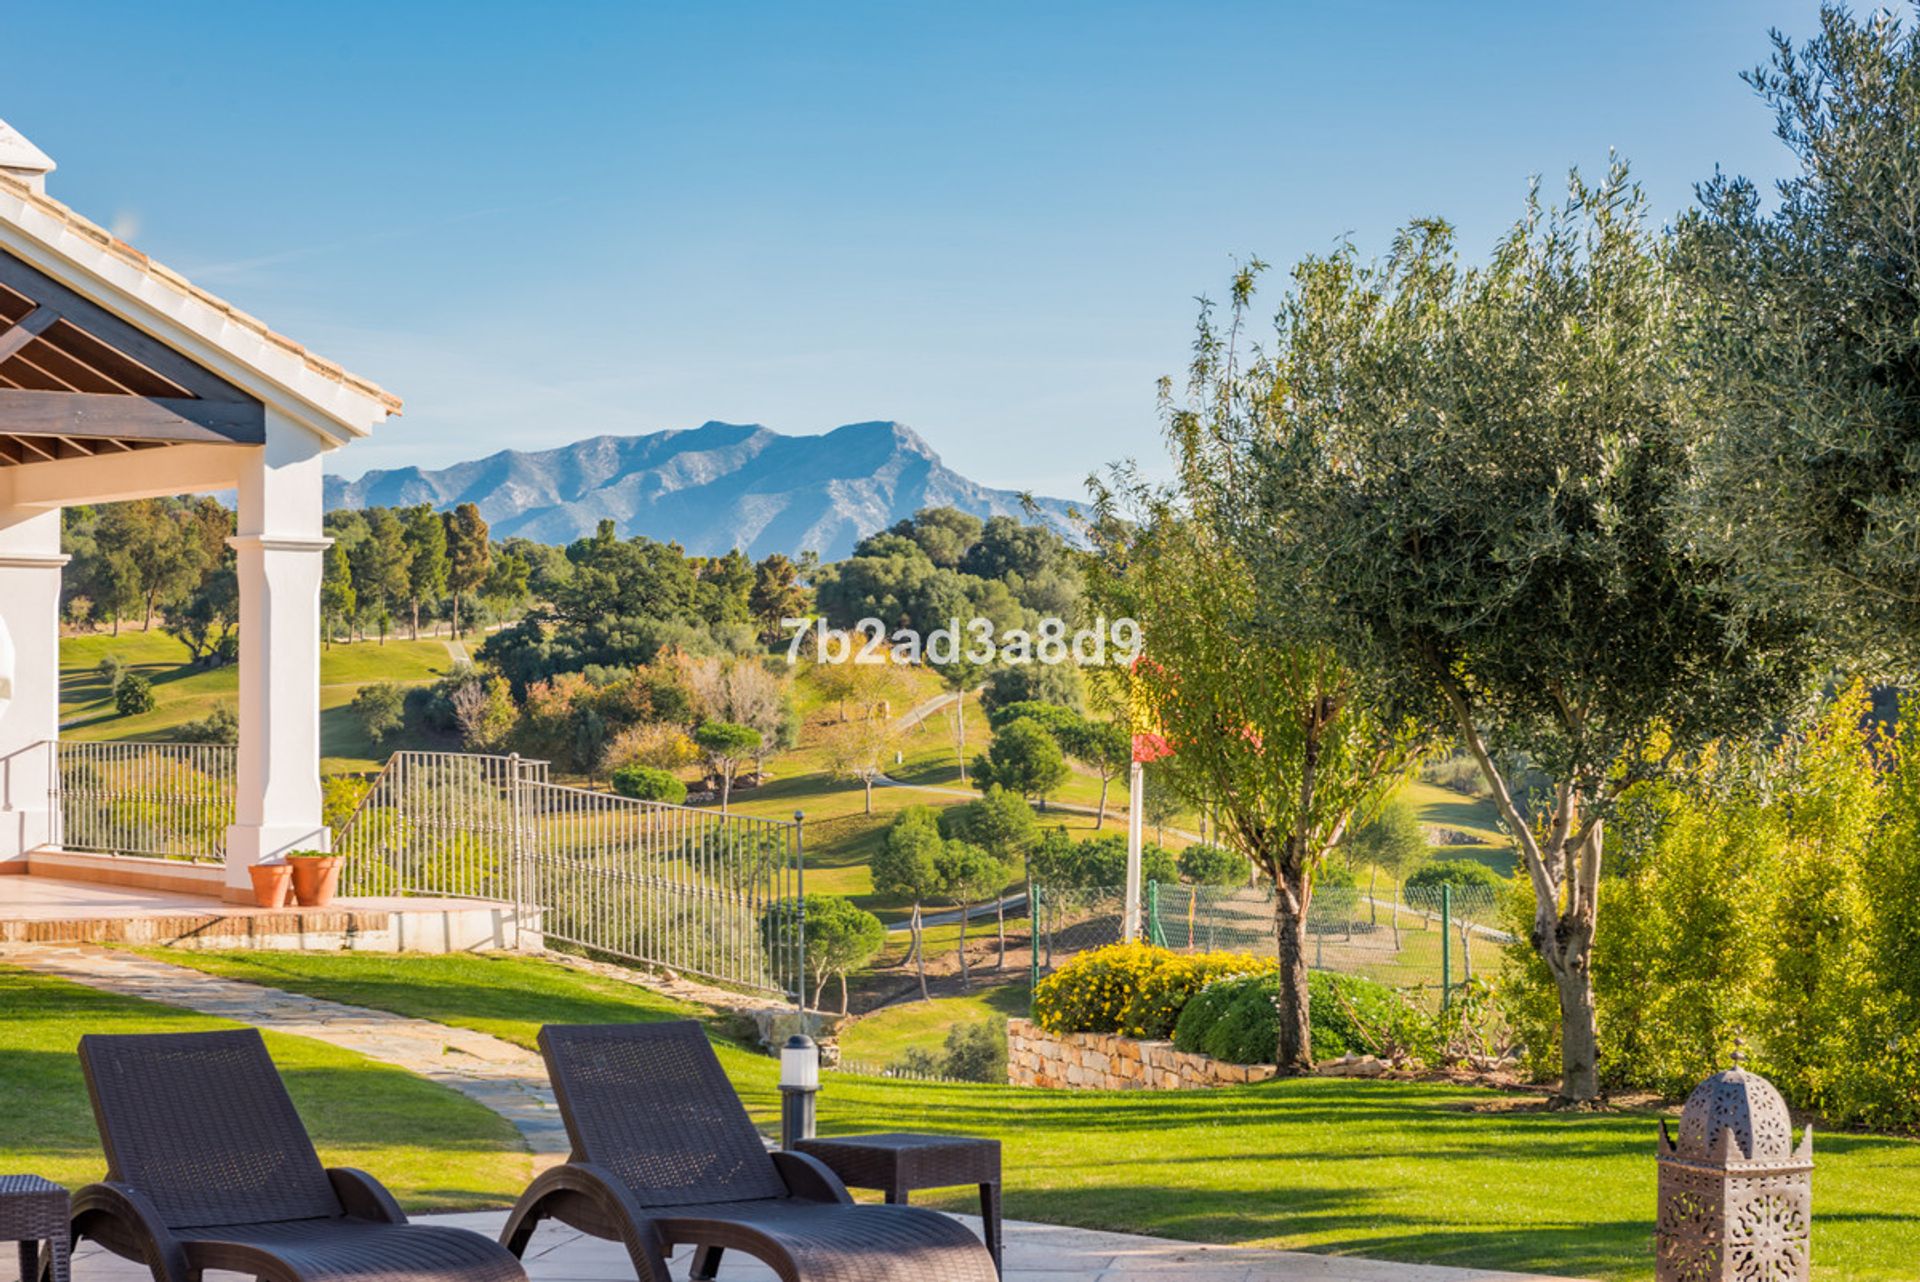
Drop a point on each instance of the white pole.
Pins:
(1136, 806)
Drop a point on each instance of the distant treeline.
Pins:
(601, 602)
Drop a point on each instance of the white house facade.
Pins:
(119, 379)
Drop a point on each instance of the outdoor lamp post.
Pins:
(799, 1084)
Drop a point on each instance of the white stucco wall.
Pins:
(30, 564)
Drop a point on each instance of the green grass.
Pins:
(1475, 816)
(184, 692)
(878, 1039)
(501, 996)
(436, 1149)
(1399, 1171)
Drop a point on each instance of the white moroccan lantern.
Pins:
(1736, 1196)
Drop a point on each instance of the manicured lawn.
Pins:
(1400, 1171)
(184, 692)
(436, 1149)
(878, 1039)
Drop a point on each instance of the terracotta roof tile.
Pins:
(179, 284)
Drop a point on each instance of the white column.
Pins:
(30, 562)
(280, 550)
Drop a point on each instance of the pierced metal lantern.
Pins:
(1736, 1196)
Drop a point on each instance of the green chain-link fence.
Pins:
(1429, 938)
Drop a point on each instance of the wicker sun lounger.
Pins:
(664, 1155)
(209, 1167)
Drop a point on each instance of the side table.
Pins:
(32, 1211)
(899, 1162)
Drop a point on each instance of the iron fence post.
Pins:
(516, 846)
(56, 804)
(1033, 944)
(1446, 944)
(800, 897)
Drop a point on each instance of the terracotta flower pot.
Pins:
(270, 884)
(314, 879)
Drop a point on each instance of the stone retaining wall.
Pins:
(1103, 1061)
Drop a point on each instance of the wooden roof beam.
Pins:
(28, 328)
(90, 415)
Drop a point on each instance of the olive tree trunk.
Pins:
(1293, 892)
(1563, 865)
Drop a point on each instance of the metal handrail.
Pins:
(174, 800)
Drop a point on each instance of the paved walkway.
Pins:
(1034, 1253)
(503, 1077)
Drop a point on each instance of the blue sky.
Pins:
(989, 221)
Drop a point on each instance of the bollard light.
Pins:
(799, 1085)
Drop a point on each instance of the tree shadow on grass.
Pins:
(502, 994)
(436, 1147)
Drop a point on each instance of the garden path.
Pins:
(506, 1078)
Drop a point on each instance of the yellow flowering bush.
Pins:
(1135, 990)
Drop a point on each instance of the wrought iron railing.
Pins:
(171, 799)
(439, 823)
(693, 890)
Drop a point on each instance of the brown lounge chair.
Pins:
(664, 1155)
(209, 1167)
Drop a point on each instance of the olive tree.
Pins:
(1468, 479)
(1803, 325)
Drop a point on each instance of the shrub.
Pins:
(1771, 895)
(1237, 1020)
(1457, 873)
(340, 796)
(222, 725)
(1132, 989)
(918, 1061)
(112, 670)
(134, 696)
(977, 1052)
(1208, 865)
(644, 783)
(1456, 774)
(664, 745)
(380, 709)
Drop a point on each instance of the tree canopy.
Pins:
(1802, 326)
(1467, 481)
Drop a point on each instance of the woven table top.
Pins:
(907, 1159)
(31, 1208)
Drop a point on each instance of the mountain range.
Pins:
(711, 488)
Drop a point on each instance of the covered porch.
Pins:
(121, 380)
